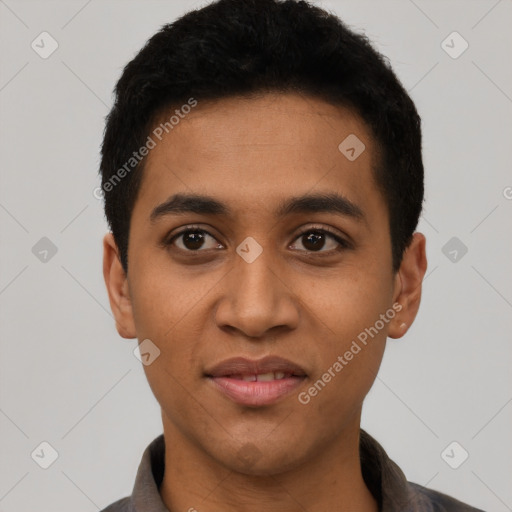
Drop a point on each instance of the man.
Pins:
(263, 180)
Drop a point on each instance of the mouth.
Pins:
(256, 383)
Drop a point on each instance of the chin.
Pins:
(261, 461)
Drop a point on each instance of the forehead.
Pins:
(252, 152)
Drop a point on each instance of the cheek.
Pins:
(164, 297)
(174, 375)
(347, 302)
(168, 310)
(349, 334)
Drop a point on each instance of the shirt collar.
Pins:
(383, 477)
(146, 496)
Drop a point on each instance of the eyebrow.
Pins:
(179, 204)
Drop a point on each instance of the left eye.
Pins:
(319, 240)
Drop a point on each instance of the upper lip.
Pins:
(243, 366)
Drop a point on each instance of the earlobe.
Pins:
(408, 286)
(116, 282)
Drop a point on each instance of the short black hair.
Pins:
(245, 48)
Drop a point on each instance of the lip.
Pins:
(227, 378)
(244, 366)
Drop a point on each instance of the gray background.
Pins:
(68, 379)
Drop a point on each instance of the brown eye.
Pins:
(194, 240)
(319, 240)
(313, 241)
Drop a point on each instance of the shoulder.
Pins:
(435, 501)
(122, 505)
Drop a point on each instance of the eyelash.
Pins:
(343, 244)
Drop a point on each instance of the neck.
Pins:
(332, 480)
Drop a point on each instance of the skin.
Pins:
(306, 306)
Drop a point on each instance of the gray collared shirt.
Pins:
(383, 477)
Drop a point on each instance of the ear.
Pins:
(408, 282)
(116, 282)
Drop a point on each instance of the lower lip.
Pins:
(256, 393)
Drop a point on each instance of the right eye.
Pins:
(193, 240)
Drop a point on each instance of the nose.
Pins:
(257, 298)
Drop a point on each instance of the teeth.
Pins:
(263, 377)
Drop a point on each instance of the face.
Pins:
(253, 236)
